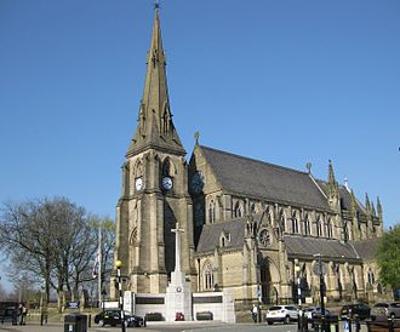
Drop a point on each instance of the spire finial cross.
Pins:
(309, 166)
(156, 4)
(177, 230)
(197, 137)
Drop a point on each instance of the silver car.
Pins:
(386, 309)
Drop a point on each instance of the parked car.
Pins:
(204, 315)
(316, 315)
(310, 312)
(386, 309)
(113, 317)
(281, 313)
(8, 312)
(361, 310)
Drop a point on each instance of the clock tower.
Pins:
(154, 195)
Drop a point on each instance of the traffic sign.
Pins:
(319, 271)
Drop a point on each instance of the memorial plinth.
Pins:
(178, 297)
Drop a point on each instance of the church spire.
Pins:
(155, 128)
(331, 173)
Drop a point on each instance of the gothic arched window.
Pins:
(138, 170)
(253, 208)
(208, 276)
(307, 228)
(211, 212)
(318, 225)
(166, 168)
(295, 224)
(371, 277)
(329, 227)
(282, 221)
(237, 212)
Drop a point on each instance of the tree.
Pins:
(53, 241)
(3, 293)
(26, 236)
(389, 258)
(25, 288)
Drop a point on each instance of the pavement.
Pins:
(197, 326)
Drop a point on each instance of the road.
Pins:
(156, 327)
(169, 327)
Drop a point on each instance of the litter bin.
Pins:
(75, 323)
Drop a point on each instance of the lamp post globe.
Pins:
(118, 264)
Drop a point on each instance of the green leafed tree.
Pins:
(389, 258)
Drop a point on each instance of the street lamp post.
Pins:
(321, 272)
(299, 302)
(118, 265)
(321, 286)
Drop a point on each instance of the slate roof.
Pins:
(308, 246)
(366, 249)
(210, 235)
(345, 196)
(254, 178)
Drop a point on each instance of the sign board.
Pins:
(129, 302)
(72, 305)
(318, 271)
(110, 305)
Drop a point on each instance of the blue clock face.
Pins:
(166, 183)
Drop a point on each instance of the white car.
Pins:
(281, 313)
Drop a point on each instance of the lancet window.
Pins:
(237, 212)
(211, 212)
(208, 277)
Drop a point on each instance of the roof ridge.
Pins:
(298, 236)
(254, 160)
(230, 221)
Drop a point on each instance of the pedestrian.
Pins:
(19, 314)
(24, 314)
(254, 313)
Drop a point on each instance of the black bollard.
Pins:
(90, 320)
(300, 322)
(305, 323)
(391, 324)
(358, 325)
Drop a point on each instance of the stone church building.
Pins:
(249, 226)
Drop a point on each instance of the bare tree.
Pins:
(3, 293)
(107, 247)
(26, 231)
(54, 241)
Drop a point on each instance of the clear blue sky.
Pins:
(283, 81)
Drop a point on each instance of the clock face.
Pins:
(197, 182)
(166, 183)
(265, 238)
(139, 184)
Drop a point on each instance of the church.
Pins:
(250, 227)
